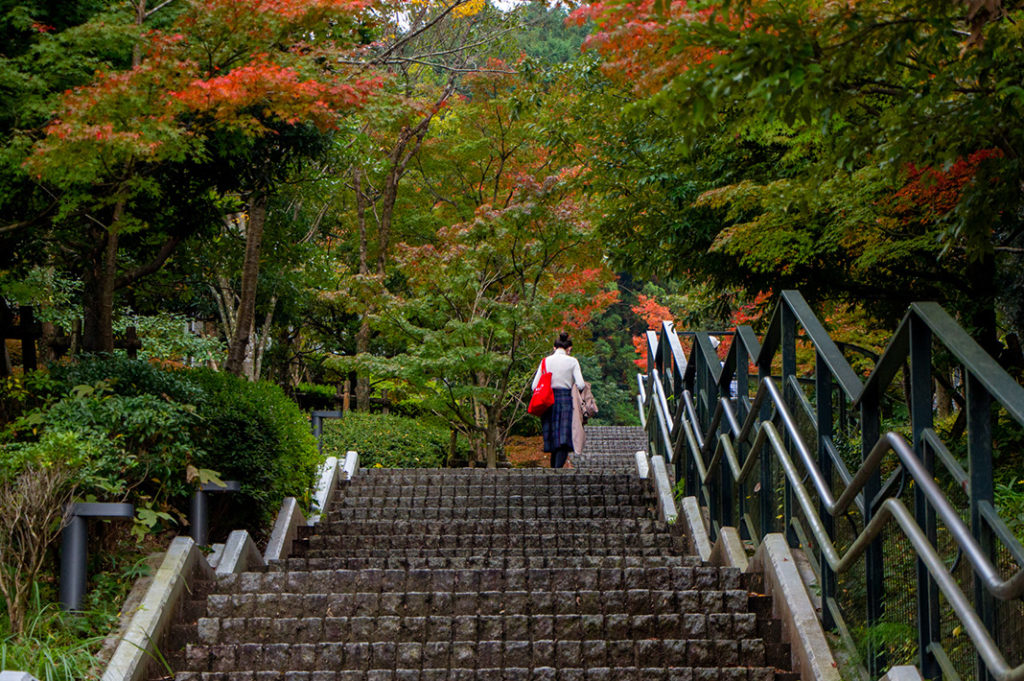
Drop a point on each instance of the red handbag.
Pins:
(543, 396)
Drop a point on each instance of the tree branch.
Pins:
(152, 266)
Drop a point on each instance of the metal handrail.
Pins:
(770, 411)
(826, 347)
(661, 409)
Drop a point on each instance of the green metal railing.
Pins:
(910, 537)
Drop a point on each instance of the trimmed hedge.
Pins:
(253, 433)
(389, 441)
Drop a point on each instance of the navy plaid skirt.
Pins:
(556, 422)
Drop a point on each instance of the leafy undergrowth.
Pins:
(58, 646)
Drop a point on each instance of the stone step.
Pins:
(493, 579)
(473, 603)
(342, 512)
(719, 626)
(581, 541)
(470, 654)
(514, 526)
(466, 552)
(629, 673)
(491, 499)
(481, 562)
(554, 484)
(544, 476)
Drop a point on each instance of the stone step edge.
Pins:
(184, 564)
(812, 656)
(534, 674)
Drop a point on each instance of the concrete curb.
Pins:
(240, 553)
(812, 656)
(16, 676)
(285, 532)
(324, 488)
(695, 527)
(728, 550)
(351, 465)
(643, 469)
(663, 491)
(899, 673)
(134, 653)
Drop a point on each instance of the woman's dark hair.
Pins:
(563, 341)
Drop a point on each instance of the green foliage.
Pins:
(318, 389)
(898, 640)
(389, 441)
(127, 377)
(52, 648)
(545, 35)
(166, 336)
(794, 146)
(56, 646)
(253, 433)
(133, 447)
(1009, 499)
(136, 431)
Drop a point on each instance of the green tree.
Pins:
(807, 147)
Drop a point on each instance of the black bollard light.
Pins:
(74, 548)
(199, 513)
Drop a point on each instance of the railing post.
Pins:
(726, 487)
(767, 491)
(742, 391)
(788, 348)
(823, 392)
(928, 620)
(708, 390)
(979, 453)
(870, 432)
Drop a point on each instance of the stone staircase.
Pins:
(466, 575)
(611, 448)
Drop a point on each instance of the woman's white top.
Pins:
(565, 370)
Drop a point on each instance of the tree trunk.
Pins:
(943, 400)
(362, 380)
(98, 312)
(250, 278)
(261, 343)
(981, 274)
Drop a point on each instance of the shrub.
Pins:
(134, 448)
(253, 433)
(389, 441)
(138, 432)
(127, 377)
(325, 391)
(32, 501)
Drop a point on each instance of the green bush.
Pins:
(253, 433)
(127, 377)
(327, 391)
(139, 432)
(131, 447)
(388, 441)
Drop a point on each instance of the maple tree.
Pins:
(223, 84)
(510, 261)
(780, 146)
